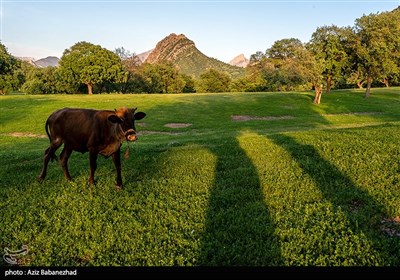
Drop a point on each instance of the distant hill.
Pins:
(142, 56)
(43, 62)
(239, 61)
(48, 61)
(183, 53)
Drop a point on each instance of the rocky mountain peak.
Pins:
(182, 53)
(169, 48)
(240, 61)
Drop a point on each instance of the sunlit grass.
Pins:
(321, 188)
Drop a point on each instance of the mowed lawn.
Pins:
(253, 179)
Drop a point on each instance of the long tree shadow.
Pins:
(363, 212)
(238, 229)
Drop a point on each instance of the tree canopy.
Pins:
(9, 75)
(89, 64)
(377, 46)
(327, 45)
(214, 81)
(335, 57)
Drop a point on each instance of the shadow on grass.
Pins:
(238, 227)
(363, 212)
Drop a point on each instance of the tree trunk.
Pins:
(90, 88)
(360, 84)
(318, 94)
(328, 83)
(369, 82)
(386, 82)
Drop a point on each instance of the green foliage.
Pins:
(85, 63)
(328, 46)
(188, 59)
(287, 65)
(199, 63)
(377, 45)
(42, 81)
(156, 78)
(189, 86)
(9, 77)
(33, 86)
(284, 49)
(213, 81)
(317, 189)
(335, 57)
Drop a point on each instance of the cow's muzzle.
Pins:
(130, 135)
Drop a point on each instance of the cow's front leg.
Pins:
(93, 166)
(65, 154)
(117, 162)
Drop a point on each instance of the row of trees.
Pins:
(335, 57)
(88, 68)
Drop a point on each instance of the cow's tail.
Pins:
(46, 126)
(48, 150)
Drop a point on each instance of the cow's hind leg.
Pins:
(49, 154)
(93, 166)
(66, 152)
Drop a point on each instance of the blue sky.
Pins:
(220, 29)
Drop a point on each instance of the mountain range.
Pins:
(183, 53)
(43, 62)
(179, 50)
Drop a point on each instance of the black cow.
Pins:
(87, 130)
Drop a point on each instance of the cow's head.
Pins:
(125, 118)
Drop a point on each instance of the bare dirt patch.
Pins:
(25, 134)
(356, 205)
(177, 125)
(150, 132)
(353, 114)
(391, 226)
(243, 118)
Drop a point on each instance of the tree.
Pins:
(122, 53)
(253, 80)
(89, 64)
(282, 69)
(293, 67)
(213, 81)
(284, 49)
(377, 45)
(41, 81)
(8, 66)
(189, 86)
(131, 66)
(170, 79)
(327, 45)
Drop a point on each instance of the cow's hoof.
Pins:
(40, 180)
(118, 188)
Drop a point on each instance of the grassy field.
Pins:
(256, 179)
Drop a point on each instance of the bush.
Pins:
(34, 86)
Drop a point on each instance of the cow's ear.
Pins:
(139, 115)
(114, 119)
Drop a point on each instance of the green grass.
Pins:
(321, 188)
